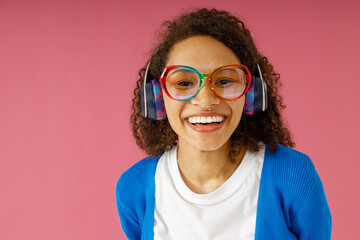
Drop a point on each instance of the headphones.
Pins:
(152, 102)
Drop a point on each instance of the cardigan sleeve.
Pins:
(128, 219)
(135, 196)
(313, 220)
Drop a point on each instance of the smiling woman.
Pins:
(221, 166)
(205, 54)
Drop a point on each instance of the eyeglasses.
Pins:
(182, 83)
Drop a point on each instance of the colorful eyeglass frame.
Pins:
(205, 76)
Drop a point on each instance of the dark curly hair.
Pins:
(155, 137)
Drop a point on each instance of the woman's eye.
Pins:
(184, 84)
(223, 82)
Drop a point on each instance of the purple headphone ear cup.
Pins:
(255, 97)
(148, 102)
(249, 98)
(153, 105)
(159, 101)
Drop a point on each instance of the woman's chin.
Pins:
(203, 144)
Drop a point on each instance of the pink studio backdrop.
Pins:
(67, 70)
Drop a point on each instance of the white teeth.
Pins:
(203, 119)
(206, 119)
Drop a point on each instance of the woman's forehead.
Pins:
(203, 53)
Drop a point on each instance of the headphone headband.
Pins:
(264, 90)
(144, 89)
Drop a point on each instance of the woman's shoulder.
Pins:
(141, 168)
(293, 177)
(291, 172)
(290, 168)
(286, 159)
(134, 181)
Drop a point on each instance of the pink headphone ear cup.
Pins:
(249, 98)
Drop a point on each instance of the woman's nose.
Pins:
(205, 97)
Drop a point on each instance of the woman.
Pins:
(207, 111)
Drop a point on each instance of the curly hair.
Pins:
(155, 137)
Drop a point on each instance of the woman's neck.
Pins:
(205, 171)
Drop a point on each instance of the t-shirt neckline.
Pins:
(221, 193)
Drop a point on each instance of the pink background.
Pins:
(67, 70)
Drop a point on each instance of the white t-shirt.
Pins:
(229, 212)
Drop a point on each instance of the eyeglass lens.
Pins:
(227, 83)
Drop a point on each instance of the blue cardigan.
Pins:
(291, 202)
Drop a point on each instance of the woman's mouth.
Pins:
(197, 120)
(206, 123)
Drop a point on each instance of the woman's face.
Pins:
(205, 54)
